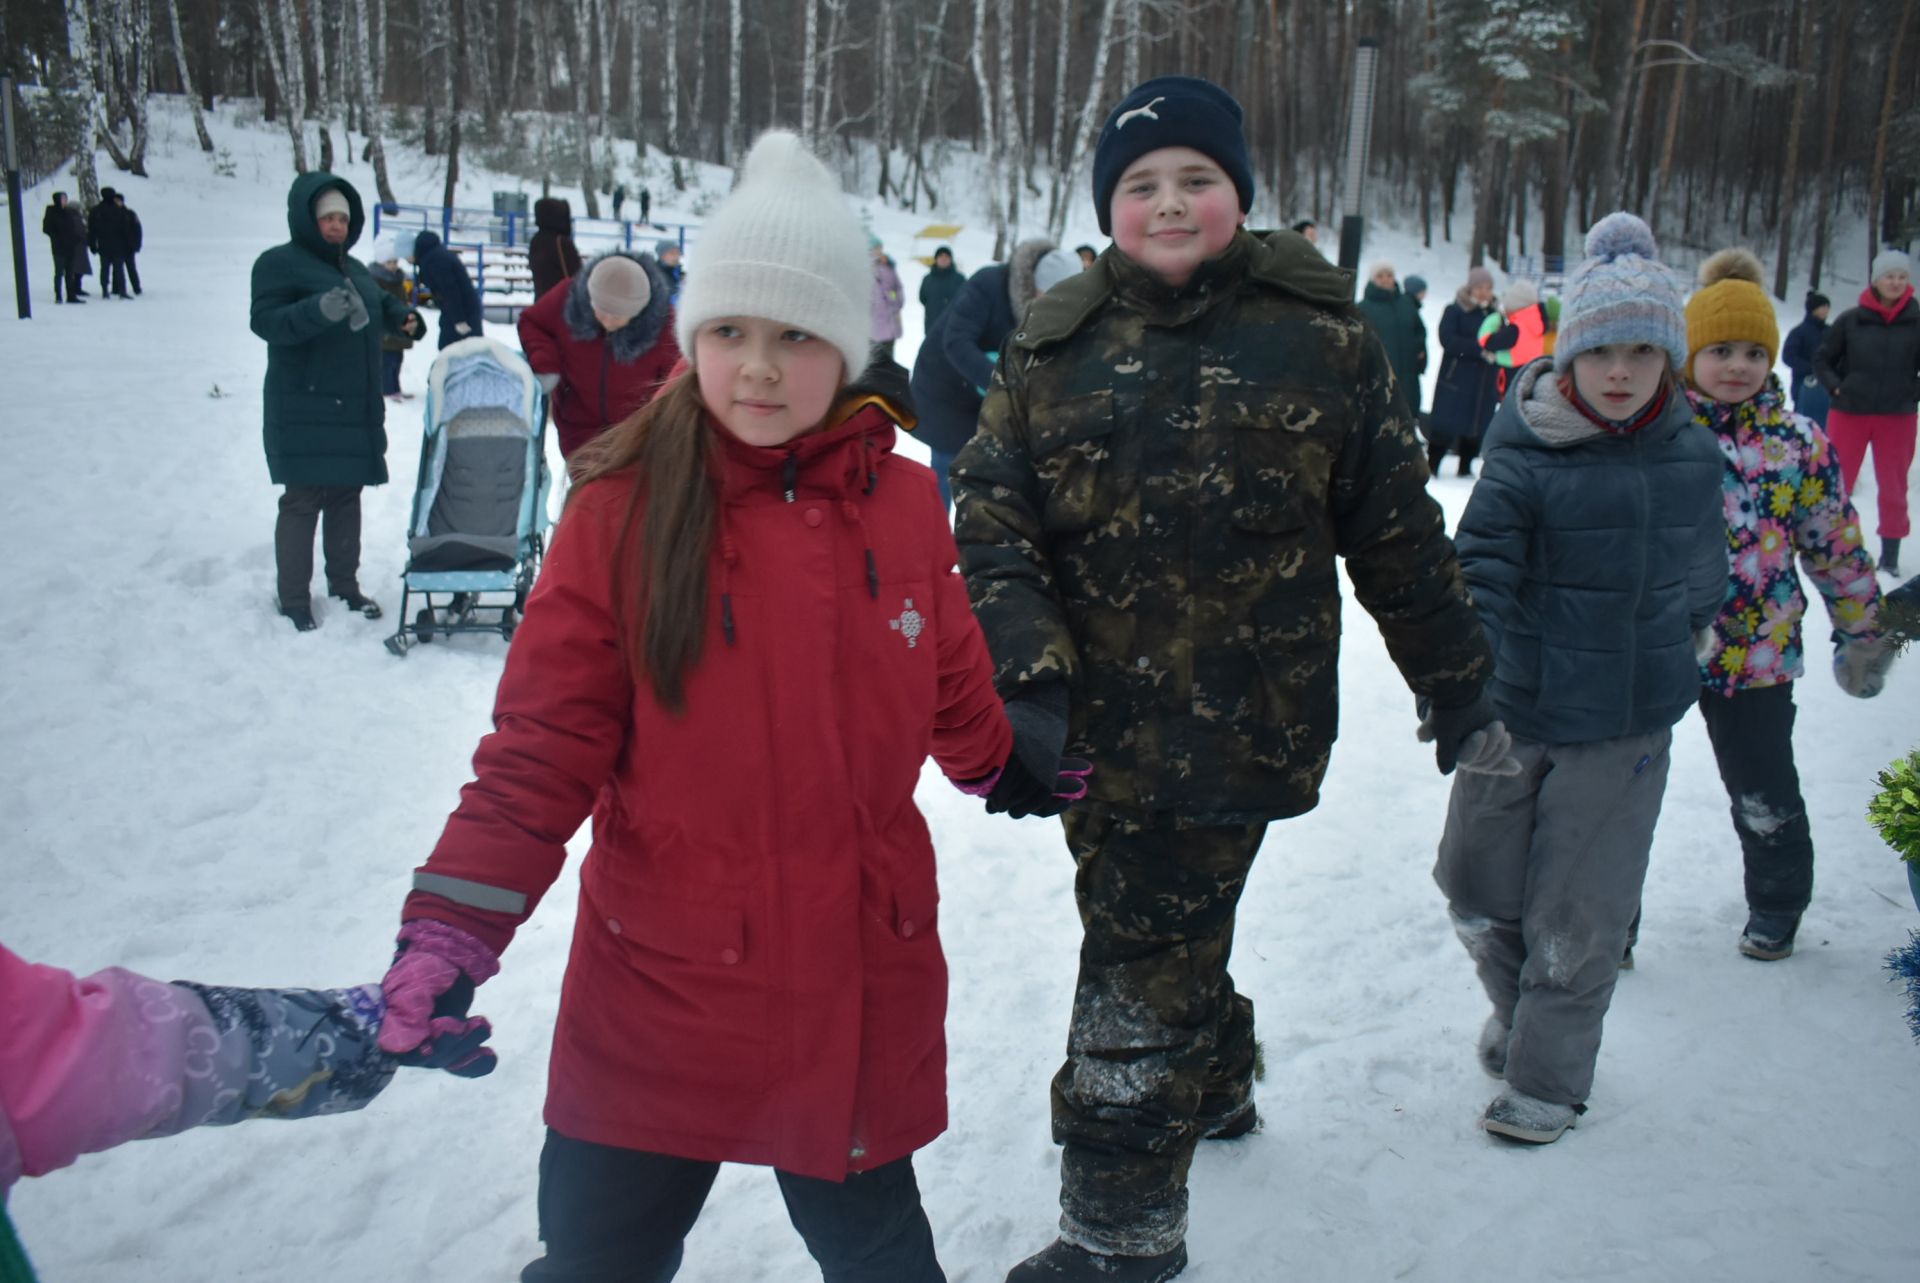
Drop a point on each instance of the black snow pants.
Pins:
(336, 509)
(1752, 735)
(611, 1215)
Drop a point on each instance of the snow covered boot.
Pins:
(1066, 1262)
(1769, 936)
(1518, 1116)
(1221, 1119)
(302, 616)
(356, 601)
(1890, 556)
(1493, 1046)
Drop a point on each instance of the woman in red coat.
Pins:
(602, 343)
(746, 639)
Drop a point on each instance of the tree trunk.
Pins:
(580, 72)
(82, 87)
(1012, 146)
(810, 72)
(371, 108)
(1096, 85)
(1789, 182)
(323, 82)
(1674, 104)
(734, 142)
(186, 79)
(1877, 185)
(291, 111)
(886, 87)
(672, 59)
(434, 36)
(1130, 68)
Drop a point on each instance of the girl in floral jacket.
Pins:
(1784, 496)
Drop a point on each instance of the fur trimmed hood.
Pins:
(634, 339)
(1020, 264)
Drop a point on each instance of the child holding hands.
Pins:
(747, 638)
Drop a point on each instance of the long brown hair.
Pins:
(660, 568)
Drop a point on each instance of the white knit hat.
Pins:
(330, 201)
(784, 246)
(1889, 260)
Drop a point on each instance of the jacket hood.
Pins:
(301, 225)
(636, 338)
(553, 214)
(1536, 414)
(1020, 265)
(424, 243)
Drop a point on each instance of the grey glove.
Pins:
(462, 328)
(548, 382)
(1860, 666)
(337, 303)
(357, 318)
(1703, 646)
(1470, 737)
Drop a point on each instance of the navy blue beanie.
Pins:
(1171, 111)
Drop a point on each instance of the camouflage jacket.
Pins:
(1151, 510)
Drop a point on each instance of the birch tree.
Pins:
(1067, 183)
(87, 95)
(581, 73)
(186, 78)
(809, 65)
(434, 34)
(989, 139)
(323, 109)
(292, 92)
(1013, 155)
(733, 142)
(367, 83)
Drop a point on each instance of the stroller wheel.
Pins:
(423, 624)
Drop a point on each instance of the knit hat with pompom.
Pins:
(784, 246)
(1731, 306)
(1620, 293)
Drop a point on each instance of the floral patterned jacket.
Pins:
(1783, 495)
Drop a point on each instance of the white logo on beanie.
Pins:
(1147, 111)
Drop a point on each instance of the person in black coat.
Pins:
(940, 286)
(551, 253)
(1467, 390)
(1802, 345)
(66, 233)
(445, 277)
(956, 359)
(110, 234)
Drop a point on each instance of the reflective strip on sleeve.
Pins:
(475, 895)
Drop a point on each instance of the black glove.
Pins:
(1469, 736)
(1037, 780)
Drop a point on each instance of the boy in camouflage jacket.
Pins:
(1177, 445)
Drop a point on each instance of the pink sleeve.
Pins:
(86, 1064)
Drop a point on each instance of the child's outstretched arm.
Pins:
(1826, 532)
(87, 1064)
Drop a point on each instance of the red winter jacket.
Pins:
(756, 973)
(603, 377)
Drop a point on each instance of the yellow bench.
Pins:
(934, 232)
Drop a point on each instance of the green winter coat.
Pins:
(325, 421)
(1152, 508)
(1396, 319)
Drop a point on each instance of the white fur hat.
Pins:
(784, 246)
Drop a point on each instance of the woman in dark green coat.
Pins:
(1396, 317)
(941, 285)
(325, 420)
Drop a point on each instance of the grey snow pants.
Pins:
(1542, 872)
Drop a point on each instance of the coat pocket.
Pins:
(1281, 459)
(1071, 443)
(1297, 645)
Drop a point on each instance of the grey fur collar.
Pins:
(1546, 410)
(1020, 287)
(631, 341)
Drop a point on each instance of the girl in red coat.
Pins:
(746, 640)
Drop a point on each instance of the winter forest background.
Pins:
(1508, 125)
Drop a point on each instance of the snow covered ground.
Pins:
(194, 791)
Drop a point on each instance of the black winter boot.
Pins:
(1890, 556)
(355, 601)
(302, 616)
(1769, 936)
(1066, 1263)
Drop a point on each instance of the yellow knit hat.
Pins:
(1731, 306)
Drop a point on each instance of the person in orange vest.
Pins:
(1522, 331)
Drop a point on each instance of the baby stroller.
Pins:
(480, 506)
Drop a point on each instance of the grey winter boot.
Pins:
(1066, 1262)
(1493, 1046)
(1518, 1116)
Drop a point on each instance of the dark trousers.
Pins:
(133, 273)
(610, 1215)
(1467, 447)
(942, 464)
(64, 274)
(390, 371)
(113, 276)
(1752, 735)
(336, 509)
(1160, 1041)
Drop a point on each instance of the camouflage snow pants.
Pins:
(1161, 1047)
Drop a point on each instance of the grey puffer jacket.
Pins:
(1593, 558)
